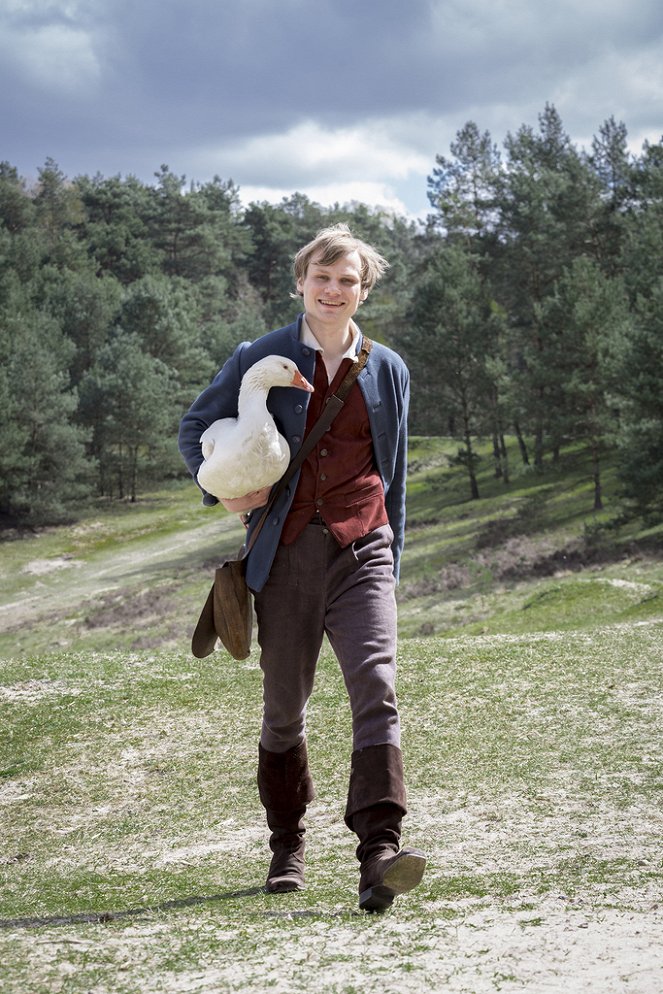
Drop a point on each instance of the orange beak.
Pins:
(299, 381)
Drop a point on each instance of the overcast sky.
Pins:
(338, 99)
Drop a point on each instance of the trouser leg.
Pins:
(360, 622)
(315, 587)
(290, 613)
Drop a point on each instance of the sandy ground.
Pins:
(119, 569)
(545, 945)
(483, 951)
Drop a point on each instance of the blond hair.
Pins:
(332, 243)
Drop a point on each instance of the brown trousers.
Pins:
(317, 588)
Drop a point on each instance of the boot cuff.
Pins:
(284, 780)
(376, 778)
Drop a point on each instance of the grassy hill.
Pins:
(531, 689)
(528, 556)
(523, 558)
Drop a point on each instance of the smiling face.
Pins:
(332, 293)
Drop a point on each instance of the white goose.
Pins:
(246, 455)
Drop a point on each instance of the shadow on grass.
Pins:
(101, 918)
(105, 917)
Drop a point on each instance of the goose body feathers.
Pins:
(247, 453)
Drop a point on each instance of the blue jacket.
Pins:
(385, 384)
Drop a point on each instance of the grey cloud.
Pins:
(178, 76)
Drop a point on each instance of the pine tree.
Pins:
(588, 310)
(638, 355)
(451, 335)
(127, 402)
(462, 190)
(549, 210)
(44, 472)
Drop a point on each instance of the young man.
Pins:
(326, 562)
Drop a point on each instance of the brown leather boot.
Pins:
(376, 805)
(285, 788)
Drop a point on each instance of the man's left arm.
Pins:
(395, 494)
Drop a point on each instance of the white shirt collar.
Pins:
(307, 337)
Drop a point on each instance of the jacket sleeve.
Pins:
(218, 400)
(396, 492)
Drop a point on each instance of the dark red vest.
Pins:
(338, 479)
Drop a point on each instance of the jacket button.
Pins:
(299, 408)
(296, 438)
(306, 351)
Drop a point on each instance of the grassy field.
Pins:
(523, 558)
(134, 850)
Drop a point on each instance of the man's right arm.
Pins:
(218, 400)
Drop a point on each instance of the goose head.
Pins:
(274, 371)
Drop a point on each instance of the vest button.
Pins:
(324, 452)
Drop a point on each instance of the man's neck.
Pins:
(335, 344)
(334, 340)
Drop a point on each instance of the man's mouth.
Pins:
(331, 303)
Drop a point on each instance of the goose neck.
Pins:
(252, 396)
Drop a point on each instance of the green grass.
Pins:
(531, 695)
(132, 576)
(510, 561)
(127, 575)
(130, 806)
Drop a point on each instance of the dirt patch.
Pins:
(34, 691)
(521, 558)
(140, 609)
(41, 567)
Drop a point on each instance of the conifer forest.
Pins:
(528, 306)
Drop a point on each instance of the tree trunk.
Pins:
(474, 486)
(538, 446)
(497, 456)
(120, 473)
(524, 455)
(505, 457)
(596, 473)
(134, 472)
